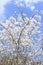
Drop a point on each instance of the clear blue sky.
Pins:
(7, 7)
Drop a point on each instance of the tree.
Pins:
(24, 34)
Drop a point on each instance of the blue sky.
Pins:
(8, 7)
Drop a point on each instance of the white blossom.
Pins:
(19, 33)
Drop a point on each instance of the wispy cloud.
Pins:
(28, 3)
(2, 4)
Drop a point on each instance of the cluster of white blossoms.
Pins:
(23, 31)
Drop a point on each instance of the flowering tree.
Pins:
(23, 34)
